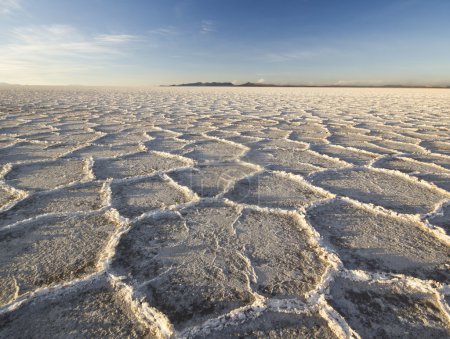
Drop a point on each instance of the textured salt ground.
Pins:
(46, 175)
(106, 151)
(426, 171)
(353, 156)
(122, 139)
(208, 180)
(437, 146)
(51, 250)
(27, 152)
(209, 248)
(213, 150)
(372, 240)
(133, 198)
(77, 198)
(238, 261)
(170, 145)
(275, 189)
(139, 164)
(295, 161)
(442, 219)
(389, 190)
(387, 310)
(164, 254)
(93, 310)
(276, 325)
(6, 197)
(289, 266)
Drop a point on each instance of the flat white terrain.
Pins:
(224, 212)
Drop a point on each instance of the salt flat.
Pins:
(224, 212)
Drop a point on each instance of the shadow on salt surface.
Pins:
(442, 219)
(389, 309)
(426, 171)
(392, 191)
(350, 155)
(51, 250)
(437, 146)
(373, 240)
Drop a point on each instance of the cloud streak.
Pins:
(207, 26)
(42, 51)
(9, 6)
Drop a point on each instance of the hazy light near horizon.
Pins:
(162, 42)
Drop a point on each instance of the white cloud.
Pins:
(207, 26)
(260, 81)
(56, 52)
(115, 38)
(9, 6)
(165, 31)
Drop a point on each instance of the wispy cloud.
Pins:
(164, 31)
(116, 38)
(9, 6)
(42, 51)
(207, 26)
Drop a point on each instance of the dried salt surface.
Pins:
(213, 150)
(162, 255)
(51, 250)
(122, 139)
(7, 196)
(139, 164)
(208, 180)
(365, 238)
(239, 260)
(296, 161)
(442, 219)
(105, 151)
(433, 158)
(169, 145)
(133, 198)
(355, 156)
(275, 189)
(270, 324)
(93, 309)
(426, 171)
(389, 309)
(437, 146)
(78, 198)
(27, 152)
(290, 265)
(46, 175)
(390, 190)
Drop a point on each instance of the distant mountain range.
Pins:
(258, 84)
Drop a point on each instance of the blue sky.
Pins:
(112, 42)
